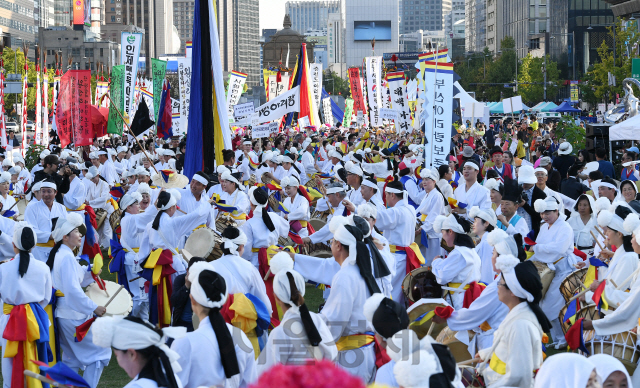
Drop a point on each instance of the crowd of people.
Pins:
(360, 214)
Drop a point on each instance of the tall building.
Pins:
(368, 19)
(183, 20)
(310, 15)
(319, 38)
(495, 30)
(427, 15)
(62, 11)
(451, 17)
(17, 19)
(43, 13)
(226, 32)
(335, 44)
(475, 24)
(246, 27)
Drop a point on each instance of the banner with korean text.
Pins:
(158, 69)
(348, 112)
(438, 83)
(399, 102)
(316, 82)
(276, 108)
(129, 57)
(184, 78)
(115, 123)
(327, 112)
(73, 116)
(356, 90)
(236, 86)
(374, 86)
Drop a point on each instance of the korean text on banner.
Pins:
(184, 78)
(45, 108)
(73, 116)
(286, 103)
(316, 82)
(399, 102)
(129, 57)
(158, 69)
(242, 110)
(348, 112)
(327, 112)
(115, 123)
(175, 117)
(264, 130)
(439, 91)
(236, 85)
(356, 90)
(374, 86)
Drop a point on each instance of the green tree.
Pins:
(574, 134)
(502, 70)
(531, 79)
(14, 64)
(335, 85)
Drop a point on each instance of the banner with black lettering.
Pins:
(438, 83)
(276, 108)
(374, 86)
(129, 56)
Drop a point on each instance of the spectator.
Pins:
(630, 171)
(520, 150)
(11, 138)
(606, 167)
(570, 186)
(564, 160)
(584, 157)
(490, 136)
(553, 176)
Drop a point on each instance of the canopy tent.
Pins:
(537, 106)
(548, 107)
(464, 97)
(497, 107)
(565, 107)
(626, 130)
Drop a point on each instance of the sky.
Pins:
(271, 14)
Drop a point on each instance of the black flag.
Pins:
(141, 121)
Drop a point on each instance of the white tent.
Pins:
(464, 97)
(626, 130)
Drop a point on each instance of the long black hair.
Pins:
(163, 198)
(463, 239)
(309, 327)
(27, 241)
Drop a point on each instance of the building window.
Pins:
(75, 52)
(113, 18)
(101, 51)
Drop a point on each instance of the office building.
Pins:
(310, 15)
(85, 48)
(246, 40)
(17, 22)
(183, 20)
(319, 39)
(495, 29)
(455, 41)
(475, 25)
(366, 20)
(43, 13)
(335, 44)
(451, 17)
(427, 15)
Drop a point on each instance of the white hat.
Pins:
(92, 173)
(565, 148)
(492, 184)
(432, 174)
(44, 154)
(526, 175)
(122, 149)
(290, 181)
(502, 242)
(416, 370)
(5, 177)
(590, 167)
(15, 170)
(352, 168)
(129, 199)
(447, 223)
(543, 205)
(143, 188)
(7, 163)
(542, 170)
(65, 226)
(486, 214)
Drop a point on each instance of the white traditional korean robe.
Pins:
(462, 265)
(200, 358)
(76, 195)
(298, 210)
(40, 218)
(432, 206)
(477, 195)
(581, 235)
(259, 236)
(622, 264)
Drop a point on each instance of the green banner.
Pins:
(158, 69)
(635, 68)
(117, 99)
(348, 112)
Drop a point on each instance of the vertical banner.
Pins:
(272, 87)
(54, 101)
(265, 78)
(356, 91)
(63, 111)
(236, 86)
(348, 112)
(158, 69)
(175, 118)
(374, 85)
(399, 102)
(115, 123)
(129, 57)
(326, 111)
(81, 107)
(3, 121)
(316, 82)
(45, 108)
(184, 78)
(283, 85)
(574, 91)
(438, 82)
(38, 121)
(102, 88)
(25, 88)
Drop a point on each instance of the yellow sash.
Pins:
(457, 285)
(255, 250)
(48, 244)
(136, 250)
(354, 341)
(29, 347)
(381, 179)
(200, 227)
(497, 365)
(303, 223)
(78, 209)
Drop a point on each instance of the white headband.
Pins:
(5, 177)
(200, 178)
(129, 199)
(197, 292)
(472, 165)
(285, 159)
(123, 334)
(352, 168)
(333, 190)
(540, 169)
(612, 221)
(447, 223)
(282, 288)
(432, 174)
(290, 181)
(507, 264)
(172, 201)
(20, 228)
(368, 183)
(50, 185)
(607, 184)
(232, 245)
(228, 177)
(392, 190)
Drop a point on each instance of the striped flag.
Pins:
(302, 77)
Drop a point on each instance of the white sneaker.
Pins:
(561, 344)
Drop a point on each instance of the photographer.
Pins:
(50, 171)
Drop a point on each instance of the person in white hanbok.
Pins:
(382, 170)
(297, 205)
(6, 199)
(354, 180)
(568, 370)
(140, 350)
(43, 216)
(509, 220)
(75, 308)
(302, 336)
(462, 266)
(470, 192)
(333, 203)
(233, 195)
(433, 204)
(484, 221)
(516, 352)
(107, 169)
(216, 353)
(554, 247)
(611, 371)
(97, 197)
(583, 222)
(190, 200)
(24, 283)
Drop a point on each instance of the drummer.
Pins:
(462, 266)
(516, 352)
(554, 247)
(158, 250)
(217, 353)
(192, 196)
(354, 180)
(370, 191)
(484, 221)
(297, 205)
(145, 191)
(433, 204)
(583, 222)
(97, 197)
(283, 345)
(6, 199)
(471, 192)
(496, 190)
(618, 226)
(333, 204)
(133, 224)
(233, 194)
(75, 308)
(43, 216)
(25, 285)
(289, 167)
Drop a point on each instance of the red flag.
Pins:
(73, 115)
(82, 330)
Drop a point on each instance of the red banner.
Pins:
(73, 115)
(356, 91)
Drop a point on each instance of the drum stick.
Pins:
(469, 362)
(267, 275)
(134, 279)
(599, 231)
(430, 328)
(36, 376)
(578, 295)
(596, 240)
(113, 297)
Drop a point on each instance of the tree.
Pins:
(334, 84)
(502, 70)
(531, 79)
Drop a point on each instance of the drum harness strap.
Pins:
(457, 287)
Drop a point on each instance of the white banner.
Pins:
(439, 92)
(388, 114)
(286, 103)
(45, 109)
(242, 110)
(175, 118)
(360, 118)
(512, 104)
(304, 122)
(272, 87)
(184, 78)
(129, 57)
(327, 112)
(38, 122)
(374, 88)
(399, 101)
(236, 85)
(102, 88)
(283, 85)
(264, 130)
(316, 82)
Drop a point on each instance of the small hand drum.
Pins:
(120, 305)
(421, 283)
(203, 242)
(458, 349)
(572, 283)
